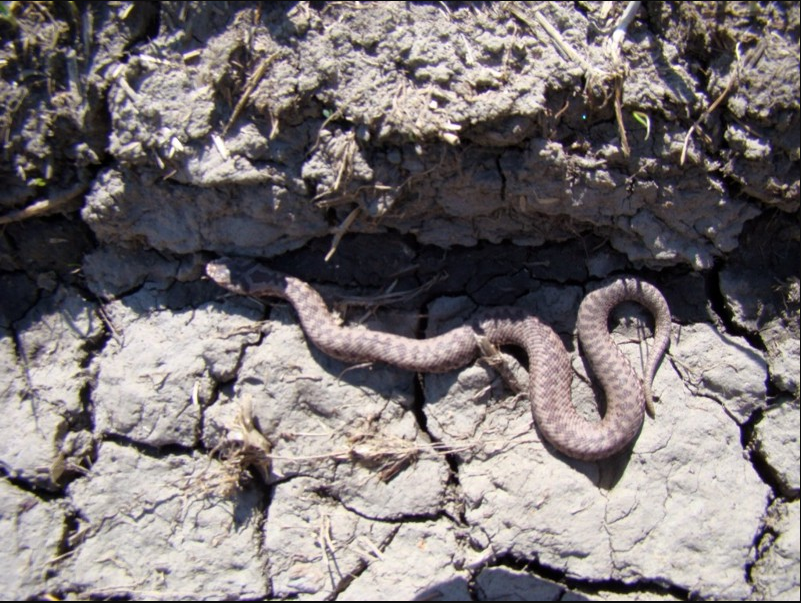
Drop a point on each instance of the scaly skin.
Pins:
(550, 373)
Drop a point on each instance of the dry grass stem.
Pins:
(253, 81)
(621, 127)
(341, 230)
(733, 80)
(56, 203)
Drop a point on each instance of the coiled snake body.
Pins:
(550, 372)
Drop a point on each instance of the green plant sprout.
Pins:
(644, 120)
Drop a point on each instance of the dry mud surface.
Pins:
(164, 439)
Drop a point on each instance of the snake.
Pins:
(550, 371)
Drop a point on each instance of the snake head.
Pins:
(245, 277)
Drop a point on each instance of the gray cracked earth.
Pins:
(165, 440)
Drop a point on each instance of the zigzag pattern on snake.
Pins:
(550, 372)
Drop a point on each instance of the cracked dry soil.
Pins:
(415, 162)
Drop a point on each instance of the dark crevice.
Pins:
(592, 587)
(417, 407)
(421, 418)
(326, 491)
(149, 450)
(72, 528)
(718, 303)
(766, 472)
(100, 595)
(46, 494)
(92, 346)
(341, 582)
(502, 176)
(763, 540)
(724, 314)
(150, 16)
(402, 519)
